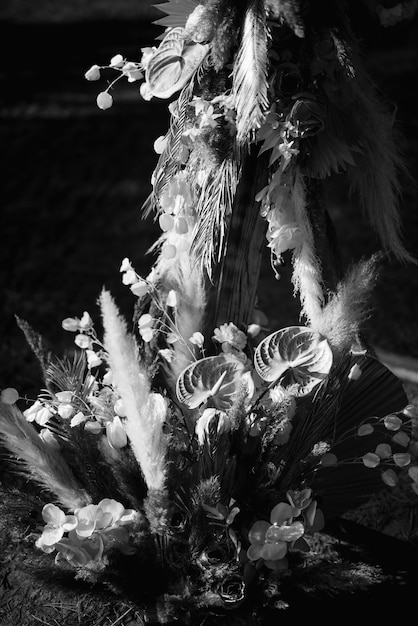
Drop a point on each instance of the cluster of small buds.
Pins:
(145, 327)
(131, 70)
(176, 217)
(85, 338)
(137, 285)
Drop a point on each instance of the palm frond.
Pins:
(250, 87)
(176, 13)
(214, 205)
(168, 163)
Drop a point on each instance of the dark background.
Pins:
(74, 177)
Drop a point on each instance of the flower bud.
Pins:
(9, 395)
(93, 73)
(104, 100)
(116, 61)
(71, 324)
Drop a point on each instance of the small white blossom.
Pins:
(65, 410)
(86, 322)
(140, 288)
(116, 434)
(93, 427)
(93, 359)
(64, 396)
(71, 324)
(82, 341)
(172, 298)
(145, 91)
(129, 277)
(119, 408)
(125, 265)
(78, 419)
(147, 54)
(197, 339)
(93, 73)
(117, 61)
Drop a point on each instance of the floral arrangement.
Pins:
(200, 445)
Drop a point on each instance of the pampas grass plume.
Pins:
(145, 411)
(344, 315)
(43, 464)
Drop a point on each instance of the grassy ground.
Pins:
(74, 180)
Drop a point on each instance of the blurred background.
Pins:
(75, 177)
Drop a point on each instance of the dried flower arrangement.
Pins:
(188, 462)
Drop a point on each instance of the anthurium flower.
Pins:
(57, 523)
(208, 419)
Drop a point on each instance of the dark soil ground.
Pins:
(73, 181)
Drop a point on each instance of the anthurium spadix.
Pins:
(294, 355)
(216, 380)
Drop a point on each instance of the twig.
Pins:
(121, 617)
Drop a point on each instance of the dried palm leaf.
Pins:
(177, 12)
(250, 87)
(169, 162)
(214, 205)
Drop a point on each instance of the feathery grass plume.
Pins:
(348, 309)
(291, 12)
(250, 86)
(306, 276)
(145, 411)
(43, 464)
(376, 176)
(37, 344)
